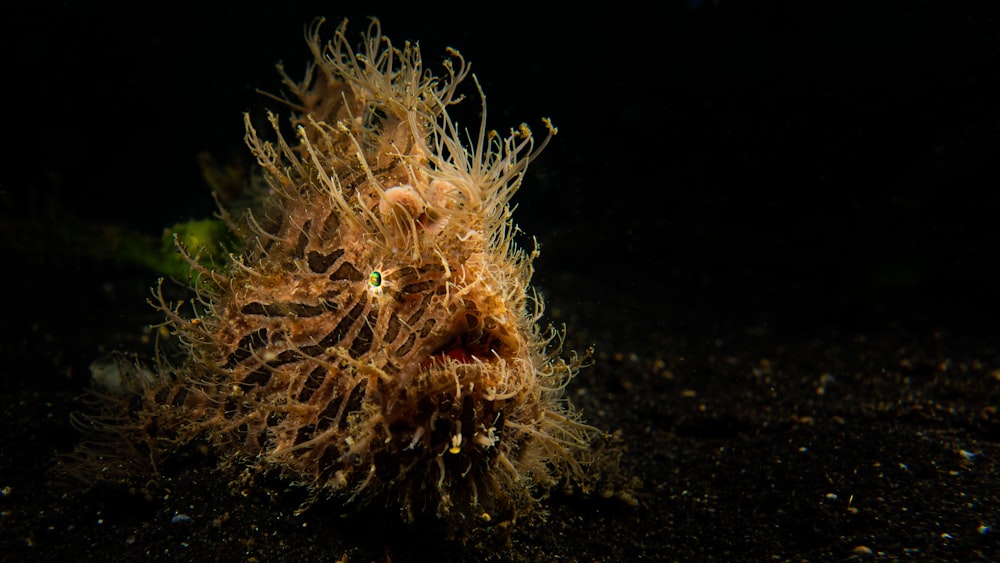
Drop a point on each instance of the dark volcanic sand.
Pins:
(784, 255)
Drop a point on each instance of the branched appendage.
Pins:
(377, 335)
(126, 441)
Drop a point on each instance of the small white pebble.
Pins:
(180, 518)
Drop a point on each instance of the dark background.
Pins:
(834, 151)
(731, 181)
(801, 158)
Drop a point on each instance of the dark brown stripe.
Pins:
(471, 321)
(428, 326)
(284, 309)
(353, 403)
(345, 324)
(312, 383)
(362, 342)
(347, 272)
(320, 263)
(249, 342)
(418, 287)
(418, 313)
(260, 376)
(300, 244)
(329, 415)
(330, 225)
(305, 434)
(404, 349)
(392, 330)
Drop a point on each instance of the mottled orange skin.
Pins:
(430, 384)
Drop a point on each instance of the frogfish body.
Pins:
(377, 335)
